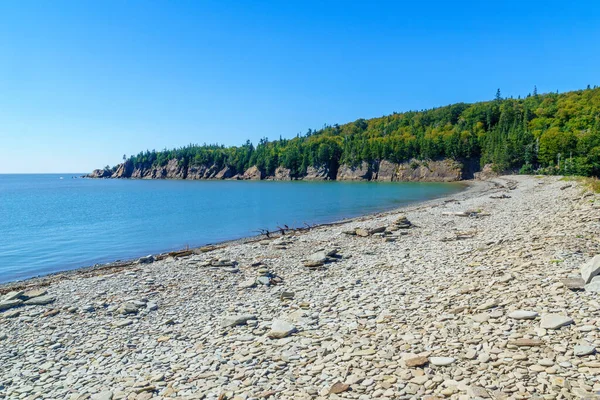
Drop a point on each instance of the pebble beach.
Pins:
(488, 294)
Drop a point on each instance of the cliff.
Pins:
(383, 171)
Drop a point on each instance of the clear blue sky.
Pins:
(84, 82)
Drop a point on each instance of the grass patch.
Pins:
(592, 184)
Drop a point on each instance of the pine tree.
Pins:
(535, 91)
(498, 95)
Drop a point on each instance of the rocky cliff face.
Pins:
(412, 171)
(100, 173)
(429, 171)
(282, 174)
(383, 171)
(317, 174)
(253, 174)
(362, 172)
(387, 171)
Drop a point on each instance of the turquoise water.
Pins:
(48, 224)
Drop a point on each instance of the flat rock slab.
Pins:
(554, 321)
(416, 362)
(487, 305)
(123, 323)
(366, 352)
(235, 320)
(478, 392)
(30, 294)
(12, 296)
(8, 304)
(281, 329)
(583, 350)
(40, 301)
(593, 286)
(102, 396)
(338, 387)
(590, 269)
(441, 361)
(523, 314)
(526, 342)
(362, 232)
(247, 284)
(573, 283)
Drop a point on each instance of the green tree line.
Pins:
(545, 133)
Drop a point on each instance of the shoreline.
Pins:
(472, 188)
(476, 295)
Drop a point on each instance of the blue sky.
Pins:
(84, 82)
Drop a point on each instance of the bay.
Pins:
(49, 224)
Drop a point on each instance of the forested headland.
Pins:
(551, 133)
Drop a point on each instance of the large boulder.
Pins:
(590, 269)
(253, 174)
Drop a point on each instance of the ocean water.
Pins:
(49, 224)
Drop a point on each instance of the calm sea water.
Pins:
(48, 224)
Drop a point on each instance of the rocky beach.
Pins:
(490, 294)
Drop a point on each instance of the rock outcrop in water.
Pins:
(384, 171)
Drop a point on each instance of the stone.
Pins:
(264, 280)
(523, 314)
(40, 301)
(487, 305)
(281, 329)
(441, 361)
(248, 283)
(338, 387)
(320, 257)
(129, 308)
(146, 260)
(12, 314)
(313, 264)
(8, 304)
(3, 336)
(481, 318)
(593, 286)
(583, 350)
(416, 362)
(236, 320)
(478, 392)
(106, 395)
(30, 294)
(573, 283)
(590, 269)
(545, 362)
(287, 295)
(14, 295)
(362, 232)
(123, 323)
(554, 321)
(525, 342)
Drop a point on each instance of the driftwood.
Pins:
(282, 230)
